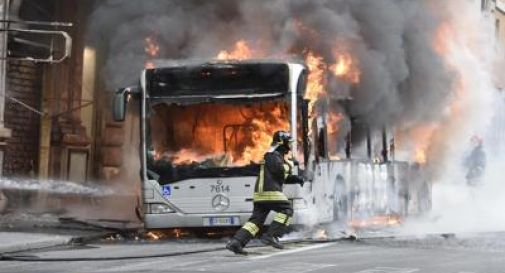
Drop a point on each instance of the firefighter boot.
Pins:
(238, 242)
(275, 230)
(235, 246)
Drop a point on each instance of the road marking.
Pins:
(291, 251)
(293, 267)
(389, 270)
(129, 266)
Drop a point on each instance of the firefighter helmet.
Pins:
(282, 138)
(476, 140)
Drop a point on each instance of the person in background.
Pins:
(475, 162)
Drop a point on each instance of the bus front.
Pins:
(205, 128)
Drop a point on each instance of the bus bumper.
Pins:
(177, 220)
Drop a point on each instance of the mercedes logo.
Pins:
(220, 202)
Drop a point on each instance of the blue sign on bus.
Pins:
(167, 191)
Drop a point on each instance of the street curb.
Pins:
(57, 240)
(52, 242)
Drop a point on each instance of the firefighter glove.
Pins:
(295, 179)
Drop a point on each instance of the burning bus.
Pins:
(205, 127)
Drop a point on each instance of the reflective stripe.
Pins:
(251, 228)
(280, 218)
(289, 221)
(261, 179)
(269, 196)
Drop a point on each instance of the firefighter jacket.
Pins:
(274, 172)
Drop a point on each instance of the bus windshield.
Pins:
(211, 139)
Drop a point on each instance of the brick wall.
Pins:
(24, 81)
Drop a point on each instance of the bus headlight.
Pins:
(160, 209)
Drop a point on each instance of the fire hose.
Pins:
(33, 258)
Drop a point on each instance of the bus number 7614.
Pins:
(219, 187)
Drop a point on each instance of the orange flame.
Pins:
(423, 136)
(262, 136)
(151, 47)
(186, 156)
(379, 221)
(149, 65)
(417, 140)
(420, 156)
(223, 135)
(316, 80)
(153, 235)
(443, 37)
(346, 68)
(334, 120)
(156, 235)
(179, 233)
(321, 234)
(241, 51)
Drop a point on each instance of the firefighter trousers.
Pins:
(279, 225)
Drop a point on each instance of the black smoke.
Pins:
(403, 80)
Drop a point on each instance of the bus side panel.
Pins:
(340, 177)
(364, 189)
(325, 185)
(312, 203)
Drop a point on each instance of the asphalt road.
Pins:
(482, 253)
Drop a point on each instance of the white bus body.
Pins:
(334, 188)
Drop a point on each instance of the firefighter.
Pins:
(275, 170)
(475, 162)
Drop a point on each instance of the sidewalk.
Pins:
(22, 231)
(22, 241)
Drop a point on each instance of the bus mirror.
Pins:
(119, 105)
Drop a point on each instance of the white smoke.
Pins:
(478, 104)
(405, 83)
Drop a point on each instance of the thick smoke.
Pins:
(476, 110)
(407, 80)
(403, 80)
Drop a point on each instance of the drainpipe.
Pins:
(4, 132)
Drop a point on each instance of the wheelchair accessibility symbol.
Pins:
(167, 191)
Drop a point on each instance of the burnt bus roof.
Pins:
(225, 79)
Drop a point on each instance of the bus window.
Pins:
(208, 139)
(321, 143)
(303, 140)
(319, 131)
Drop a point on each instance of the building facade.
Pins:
(499, 14)
(56, 118)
